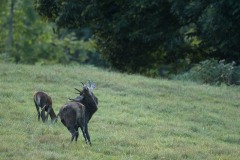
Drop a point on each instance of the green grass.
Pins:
(138, 117)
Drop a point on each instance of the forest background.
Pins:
(192, 40)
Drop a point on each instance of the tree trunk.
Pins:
(10, 34)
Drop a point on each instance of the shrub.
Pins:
(213, 72)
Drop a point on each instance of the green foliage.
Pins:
(132, 35)
(48, 10)
(213, 72)
(141, 36)
(219, 27)
(138, 117)
(35, 42)
(215, 24)
(236, 75)
(135, 37)
(28, 33)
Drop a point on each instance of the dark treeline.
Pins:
(148, 37)
(142, 36)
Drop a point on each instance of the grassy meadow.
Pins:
(138, 117)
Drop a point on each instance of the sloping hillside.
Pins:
(138, 117)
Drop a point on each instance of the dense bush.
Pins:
(213, 72)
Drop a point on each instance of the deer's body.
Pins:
(72, 116)
(77, 113)
(43, 102)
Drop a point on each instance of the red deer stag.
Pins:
(77, 113)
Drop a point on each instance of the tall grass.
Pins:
(138, 117)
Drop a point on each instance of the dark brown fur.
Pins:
(90, 101)
(78, 113)
(73, 116)
(43, 101)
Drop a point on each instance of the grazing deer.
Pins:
(44, 102)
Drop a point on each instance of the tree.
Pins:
(141, 36)
(219, 27)
(18, 32)
(33, 41)
(9, 42)
(132, 35)
(216, 24)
